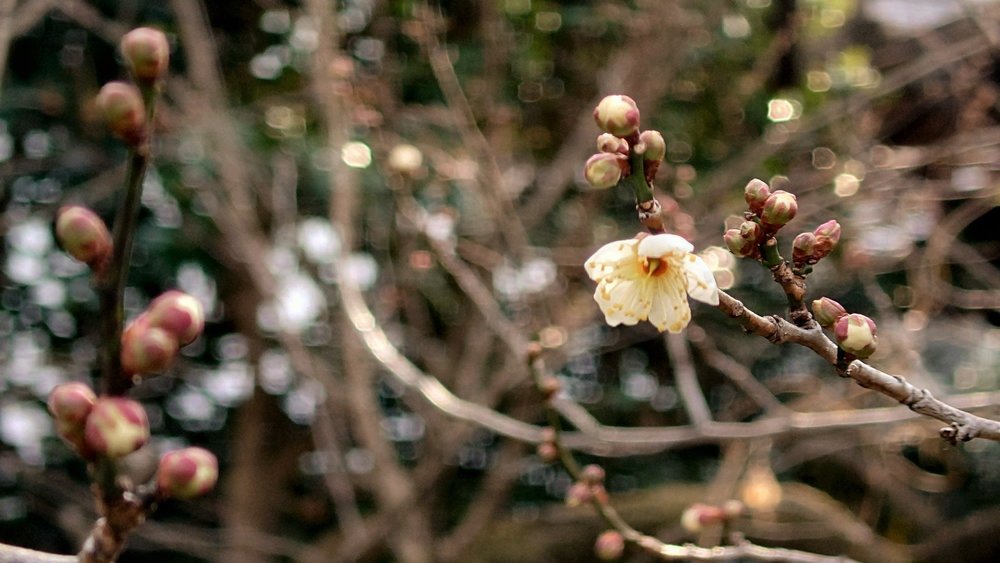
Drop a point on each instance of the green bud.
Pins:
(827, 312)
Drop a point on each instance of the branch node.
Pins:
(955, 433)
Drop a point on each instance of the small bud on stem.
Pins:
(604, 170)
(84, 236)
(116, 427)
(124, 111)
(618, 115)
(187, 473)
(855, 334)
(609, 545)
(147, 54)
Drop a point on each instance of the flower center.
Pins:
(654, 267)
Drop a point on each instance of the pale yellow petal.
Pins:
(620, 301)
(615, 258)
(669, 309)
(700, 280)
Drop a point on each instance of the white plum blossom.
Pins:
(650, 279)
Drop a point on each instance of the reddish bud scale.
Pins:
(618, 115)
(827, 237)
(779, 209)
(609, 545)
(83, 235)
(147, 349)
(179, 314)
(147, 53)
(187, 473)
(802, 249)
(116, 427)
(124, 111)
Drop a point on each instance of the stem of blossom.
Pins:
(110, 284)
(793, 284)
(769, 254)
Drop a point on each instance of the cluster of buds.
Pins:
(147, 55)
(618, 117)
(151, 342)
(609, 545)
(589, 488)
(698, 516)
(767, 213)
(810, 248)
(114, 427)
(854, 332)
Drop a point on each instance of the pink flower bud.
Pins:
(83, 235)
(606, 142)
(855, 335)
(744, 241)
(655, 146)
(116, 427)
(70, 405)
(579, 493)
(697, 516)
(827, 312)
(123, 111)
(755, 194)
(617, 115)
(779, 209)
(802, 249)
(603, 170)
(179, 314)
(187, 473)
(592, 474)
(147, 53)
(827, 237)
(147, 349)
(609, 545)
(547, 452)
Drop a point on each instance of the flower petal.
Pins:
(615, 258)
(669, 309)
(621, 301)
(658, 246)
(700, 281)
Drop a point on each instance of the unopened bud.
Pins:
(603, 170)
(116, 427)
(827, 312)
(124, 111)
(579, 493)
(609, 545)
(655, 146)
(755, 194)
(617, 115)
(802, 249)
(147, 349)
(405, 159)
(592, 474)
(70, 405)
(83, 235)
(779, 209)
(855, 334)
(187, 473)
(179, 314)
(147, 53)
(827, 237)
(606, 142)
(697, 516)
(547, 452)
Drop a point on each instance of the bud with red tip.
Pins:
(855, 334)
(146, 348)
(187, 473)
(592, 475)
(579, 493)
(618, 115)
(779, 208)
(603, 170)
(755, 194)
(116, 427)
(123, 111)
(609, 545)
(147, 53)
(70, 405)
(697, 516)
(803, 248)
(744, 241)
(83, 235)
(827, 312)
(547, 452)
(827, 237)
(606, 142)
(179, 314)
